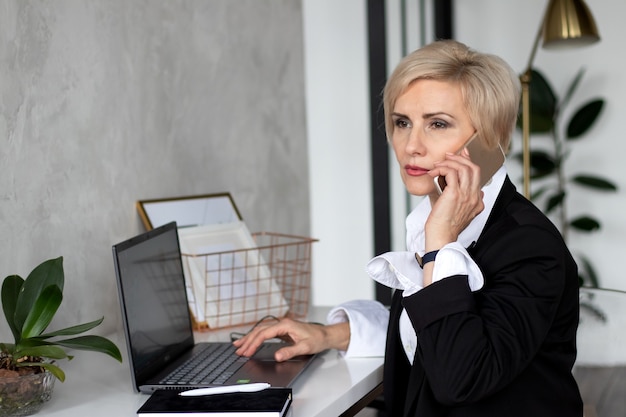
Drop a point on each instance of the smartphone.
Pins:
(489, 161)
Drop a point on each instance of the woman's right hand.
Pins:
(303, 338)
(458, 205)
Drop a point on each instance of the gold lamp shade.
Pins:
(568, 23)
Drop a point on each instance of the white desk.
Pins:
(98, 386)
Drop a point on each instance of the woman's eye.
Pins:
(401, 123)
(438, 124)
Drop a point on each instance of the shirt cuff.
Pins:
(368, 321)
(452, 260)
(398, 270)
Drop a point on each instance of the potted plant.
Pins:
(28, 365)
(548, 168)
(548, 164)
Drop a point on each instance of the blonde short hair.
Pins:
(489, 86)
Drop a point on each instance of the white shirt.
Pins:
(399, 270)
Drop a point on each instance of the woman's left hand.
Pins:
(460, 202)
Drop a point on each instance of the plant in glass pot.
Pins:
(28, 366)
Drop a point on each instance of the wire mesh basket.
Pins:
(243, 286)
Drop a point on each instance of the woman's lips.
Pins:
(415, 171)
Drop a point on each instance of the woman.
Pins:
(483, 320)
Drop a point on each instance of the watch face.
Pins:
(419, 260)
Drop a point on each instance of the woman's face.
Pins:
(429, 119)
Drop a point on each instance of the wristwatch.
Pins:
(428, 257)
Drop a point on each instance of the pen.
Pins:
(225, 389)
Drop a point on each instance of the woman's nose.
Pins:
(415, 144)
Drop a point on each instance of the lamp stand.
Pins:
(563, 21)
(525, 81)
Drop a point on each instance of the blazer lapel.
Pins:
(507, 193)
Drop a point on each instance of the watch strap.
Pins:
(428, 257)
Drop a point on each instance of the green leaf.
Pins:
(54, 370)
(11, 287)
(585, 223)
(81, 328)
(590, 273)
(45, 274)
(555, 201)
(541, 164)
(93, 343)
(43, 351)
(543, 104)
(32, 342)
(43, 311)
(594, 182)
(584, 118)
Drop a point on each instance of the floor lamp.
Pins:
(565, 23)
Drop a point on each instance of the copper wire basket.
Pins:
(246, 285)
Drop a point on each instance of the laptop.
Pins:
(158, 326)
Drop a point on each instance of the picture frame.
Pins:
(189, 211)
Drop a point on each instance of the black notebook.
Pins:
(272, 402)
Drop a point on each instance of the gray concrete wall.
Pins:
(106, 102)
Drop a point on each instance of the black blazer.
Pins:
(506, 350)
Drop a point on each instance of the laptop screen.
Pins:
(153, 299)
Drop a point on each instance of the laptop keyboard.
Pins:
(213, 365)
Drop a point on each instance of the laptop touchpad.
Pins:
(267, 350)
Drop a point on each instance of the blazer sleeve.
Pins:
(473, 344)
